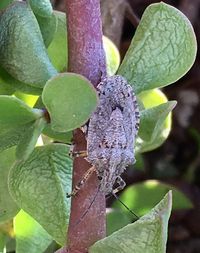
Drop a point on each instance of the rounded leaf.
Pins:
(41, 7)
(163, 48)
(48, 26)
(58, 49)
(8, 208)
(39, 186)
(6, 89)
(152, 98)
(65, 137)
(29, 139)
(21, 58)
(11, 83)
(15, 112)
(112, 56)
(30, 100)
(11, 136)
(155, 125)
(30, 236)
(70, 100)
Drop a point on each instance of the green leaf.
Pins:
(10, 137)
(65, 137)
(30, 100)
(142, 197)
(39, 186)
(70, 100)
(8, 81)
(47, 27)
(61, 137)
(147, 235)
(154, 126)
(5, 89)
(15, 112)
(112, 56)
(42, 8)
(29, 139)
(2, 242)
(152, 98)
(21, 60)
(139, 165)
(163, 49)
(5, 3)
(30, 236)
(57, 50)
(116, 219)
(8, 208)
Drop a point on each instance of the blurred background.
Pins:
(176, 164)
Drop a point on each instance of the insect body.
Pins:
(111, 132)
(110, 137)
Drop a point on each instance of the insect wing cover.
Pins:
(112, 130)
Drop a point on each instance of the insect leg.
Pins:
(82, 153)
(87, 210)
(86, 176)
(121, 184)
(117, 198)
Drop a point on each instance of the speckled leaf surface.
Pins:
(163, 48)
(147, 235)
(29, 139)
(26, 59)
(42, 8)
(10, 137)
(48, 26)
(70, 100)
(8, 208)
(8, 81)
(30, 235)
(39, 186)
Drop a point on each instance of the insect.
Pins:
(111, 134)
(112, 131)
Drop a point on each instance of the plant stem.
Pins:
(86, 57)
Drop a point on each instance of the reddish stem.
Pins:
(86, 54)
(86, 57)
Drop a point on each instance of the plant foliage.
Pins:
(33, 53)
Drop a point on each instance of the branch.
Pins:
(86, 54)
(86, 57)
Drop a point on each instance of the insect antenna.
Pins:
(117, 198)
(87, 210)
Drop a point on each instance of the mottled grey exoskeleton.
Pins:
(112, 131)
